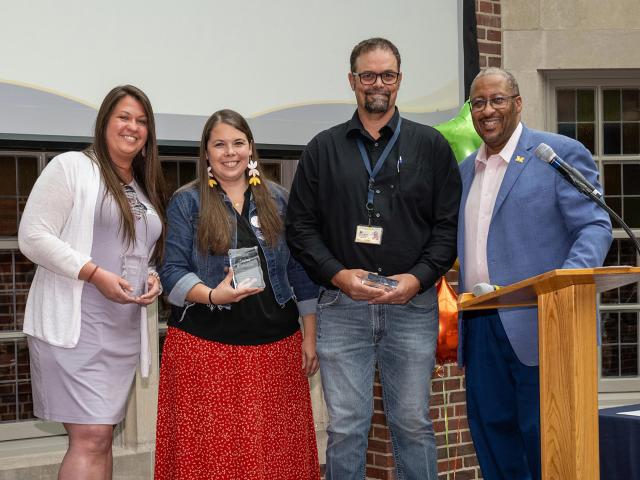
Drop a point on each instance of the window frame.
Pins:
(610, 389)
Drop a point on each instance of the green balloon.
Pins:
(460, 133)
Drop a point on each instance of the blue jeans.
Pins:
(352, 336)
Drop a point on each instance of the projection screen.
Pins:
(282, 63)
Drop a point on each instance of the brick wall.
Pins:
(458, 461)
(489, 32)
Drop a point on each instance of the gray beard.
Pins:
(377, 106)
(380, 104)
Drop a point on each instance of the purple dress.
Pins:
(89, 383)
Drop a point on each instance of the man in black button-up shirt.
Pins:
(349, 216)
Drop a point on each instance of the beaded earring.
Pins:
(212, 181)
(254, 174)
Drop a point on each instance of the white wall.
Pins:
(552, 35)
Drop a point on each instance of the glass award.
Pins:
(135, 271)
(247, 271)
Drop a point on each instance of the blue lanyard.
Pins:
(379, 163)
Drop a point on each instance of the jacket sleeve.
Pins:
(177, 271)
(590, 225)
(306, 292)
(303, 221)
(45, 217)
(439, 253)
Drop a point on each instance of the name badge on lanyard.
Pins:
(370, 234)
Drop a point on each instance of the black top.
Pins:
(254, 320)
(416, 202)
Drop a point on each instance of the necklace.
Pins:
(238, 202)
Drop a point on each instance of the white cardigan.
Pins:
(56, 233)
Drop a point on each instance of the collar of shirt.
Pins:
(355, 126)
(507, 151)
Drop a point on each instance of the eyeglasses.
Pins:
(479, 104)
(369, 78)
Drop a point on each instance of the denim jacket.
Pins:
(185, 266)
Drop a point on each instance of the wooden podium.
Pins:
(566, 301)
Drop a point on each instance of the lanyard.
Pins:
(379, 163)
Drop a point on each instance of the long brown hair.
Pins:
(146, 168)
(214, 232)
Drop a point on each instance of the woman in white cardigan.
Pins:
(93, 224)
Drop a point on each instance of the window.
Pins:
(16, 273)
(19, 173)
(622, 190)
(576, 115)
(619, 327)
(602, 110)
(178, 171)
(621, 121)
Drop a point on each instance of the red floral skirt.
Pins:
(232, 412)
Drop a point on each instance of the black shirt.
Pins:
(417, 195)
(254, 320)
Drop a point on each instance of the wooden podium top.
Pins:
(525, 293)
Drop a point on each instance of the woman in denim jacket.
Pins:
(234, 400)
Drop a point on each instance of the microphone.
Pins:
(573, 176)
(483, 289)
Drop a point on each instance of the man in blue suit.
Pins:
(518, 218)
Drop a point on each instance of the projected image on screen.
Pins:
(283, 63)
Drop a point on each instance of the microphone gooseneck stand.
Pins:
(613, 214)
(545, 153)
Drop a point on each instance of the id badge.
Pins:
(369, 234)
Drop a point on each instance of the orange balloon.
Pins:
(447, 346)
